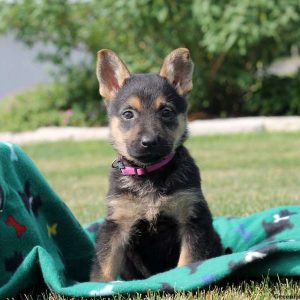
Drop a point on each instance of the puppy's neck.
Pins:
(154, 182)
(181, 173)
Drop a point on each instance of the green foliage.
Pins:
(47, 106)
(237, 26)
(243, 38)
(230, 42)
(275, 96)
(30, 110)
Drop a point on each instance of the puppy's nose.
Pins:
(148, 141)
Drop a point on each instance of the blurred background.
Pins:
(246, 55)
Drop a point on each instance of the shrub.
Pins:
(45, 106)
(275, 96)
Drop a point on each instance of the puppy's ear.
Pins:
(111, 73)
(178, 68)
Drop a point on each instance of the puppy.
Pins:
(157, 217)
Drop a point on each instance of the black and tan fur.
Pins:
(160, 220)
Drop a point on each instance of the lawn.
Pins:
(241, 174)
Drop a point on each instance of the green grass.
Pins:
(284, 289)
(241, 174)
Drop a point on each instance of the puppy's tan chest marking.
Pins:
(128, 209)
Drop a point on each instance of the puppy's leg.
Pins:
(199, 241)
(185, 256)
(195, 246)
(111, 242)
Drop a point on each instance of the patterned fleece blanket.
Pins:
(41, 242)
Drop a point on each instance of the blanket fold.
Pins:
(40, 240)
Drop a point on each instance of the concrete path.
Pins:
(199, 127)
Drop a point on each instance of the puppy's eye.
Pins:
(167, 112)
(128, 114)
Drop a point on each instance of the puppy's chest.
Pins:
(130, 208)
(147, 203)
(143, 198)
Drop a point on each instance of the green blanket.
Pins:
(41, 241)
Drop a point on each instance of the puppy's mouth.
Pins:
(150, 157)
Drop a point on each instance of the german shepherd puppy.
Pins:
(157, 216)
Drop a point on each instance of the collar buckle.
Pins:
(118, 164)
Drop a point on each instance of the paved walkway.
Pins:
(199, 127)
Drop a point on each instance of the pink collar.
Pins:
(131, 171)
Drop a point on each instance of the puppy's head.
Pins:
(147, 112)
